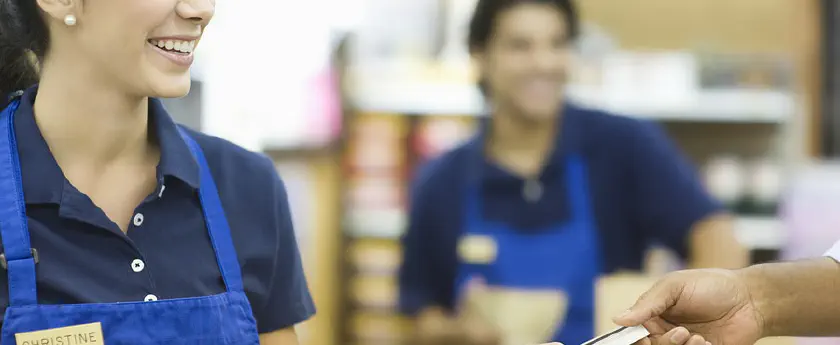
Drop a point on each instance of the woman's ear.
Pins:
(59, 9)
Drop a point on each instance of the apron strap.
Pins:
(214, 216)
(578, 183)
(18, 257)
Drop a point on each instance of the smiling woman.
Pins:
(148, 233)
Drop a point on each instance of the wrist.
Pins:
(760, 299)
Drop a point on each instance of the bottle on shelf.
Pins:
(764, 187)
(724, 177)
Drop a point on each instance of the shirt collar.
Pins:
(566, 143)
(176, 159)
(43, 180)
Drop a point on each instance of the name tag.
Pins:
(87, 334)
(477, 249)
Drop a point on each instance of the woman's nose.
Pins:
(197, 10)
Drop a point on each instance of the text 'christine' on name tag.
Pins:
(87, 334)
(620, 336)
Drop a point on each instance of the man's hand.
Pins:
(697, 307)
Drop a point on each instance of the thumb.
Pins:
(662, 296)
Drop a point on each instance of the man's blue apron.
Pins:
(563, 257)
(223, 319)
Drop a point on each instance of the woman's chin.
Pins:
(164, 77)
(172, 87)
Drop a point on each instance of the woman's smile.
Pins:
(177, 50)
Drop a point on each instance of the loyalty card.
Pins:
(620, 336)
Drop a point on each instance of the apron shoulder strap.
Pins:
(214, 217)
(18, 256)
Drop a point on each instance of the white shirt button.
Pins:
(150, 298)
(138, 219)
(137, 265)
(162, 188)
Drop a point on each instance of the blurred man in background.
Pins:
(548, 197)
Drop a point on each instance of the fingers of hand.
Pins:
(662, 296)
(678, 336)
(658, 326)
(652, 303)
(696, 340)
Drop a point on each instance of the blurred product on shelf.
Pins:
(437, 135)
(374, 291)
(376, 329)
(746, 71)
(375, 256)
(725, 180)
(764, 187)
(751, 189)
(382, 151)
(376, 176)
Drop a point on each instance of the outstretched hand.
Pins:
(696, 307)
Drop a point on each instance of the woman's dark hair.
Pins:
(23, 41)
(487, 13)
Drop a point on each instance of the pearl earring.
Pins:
(70, 20)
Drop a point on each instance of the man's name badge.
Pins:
(477, 249)
(87, 334)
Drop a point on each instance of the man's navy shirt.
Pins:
(643, 192)
(86, 258)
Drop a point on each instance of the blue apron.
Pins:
(562, 257)
(223, 319)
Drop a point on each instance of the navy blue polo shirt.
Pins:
(86, 258)
(643, 192)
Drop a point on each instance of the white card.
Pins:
(620, 336)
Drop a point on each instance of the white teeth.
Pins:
(175, 45)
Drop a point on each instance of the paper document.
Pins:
(620, 336)
(519, 316)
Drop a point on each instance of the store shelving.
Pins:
(439, 98)
(382, 152)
